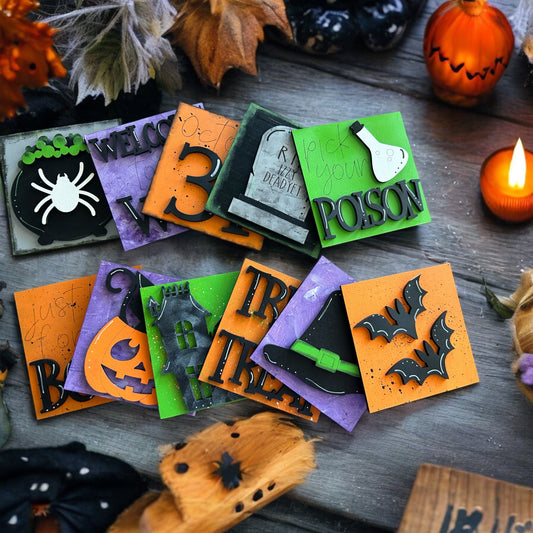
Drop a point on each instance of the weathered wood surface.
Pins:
(448, 499)
(367, 474)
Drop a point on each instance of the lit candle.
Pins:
(507, 183)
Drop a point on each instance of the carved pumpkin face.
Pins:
(467, 46)
(118, 364)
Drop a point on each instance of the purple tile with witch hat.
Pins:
(112, 358)
(312, 352)
(126, 157)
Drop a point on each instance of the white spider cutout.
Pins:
(64, 195)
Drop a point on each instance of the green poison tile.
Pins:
(361, 178)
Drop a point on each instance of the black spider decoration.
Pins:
(229, 471)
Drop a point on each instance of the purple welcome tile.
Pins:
(125, 158)
(111, 358)
(314, 323)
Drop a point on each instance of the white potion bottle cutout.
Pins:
(387, 160)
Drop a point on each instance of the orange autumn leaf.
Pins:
(218, 35)
(27, 58)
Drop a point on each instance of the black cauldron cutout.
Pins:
(57, 193)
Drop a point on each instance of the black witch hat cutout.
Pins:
(324, 357)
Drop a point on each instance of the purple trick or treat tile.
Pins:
(310, 349)
(111, 357)
(125, 158)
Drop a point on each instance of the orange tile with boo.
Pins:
(51, 318)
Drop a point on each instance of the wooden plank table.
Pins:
(365, 475)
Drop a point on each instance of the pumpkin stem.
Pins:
(472, 7)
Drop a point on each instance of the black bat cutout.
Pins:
(404, 320)
(408, 369)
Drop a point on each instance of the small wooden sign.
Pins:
(196, 147)
(126, 157)
(446, 500)
(361, 178)
(261, 186)
(181, 319)
(324, 369)
(50, 320)
(112, 358)
(409, 335)
(54, 198)
(259, 296)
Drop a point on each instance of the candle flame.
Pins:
(517, 168)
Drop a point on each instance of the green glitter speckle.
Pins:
(57, 147)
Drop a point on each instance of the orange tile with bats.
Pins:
(409, 335)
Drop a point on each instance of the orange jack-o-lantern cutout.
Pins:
(118, 364)
(467, 46)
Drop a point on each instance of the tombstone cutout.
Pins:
(258, 298)
(261, 185)
(410, 337)
(195, 149)
(54, 198)
(275, 193)
(126, 157)
(180, 320)
(112, 357)
(361, 178)
(50, 321)
(312, 351)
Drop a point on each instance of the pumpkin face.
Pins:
(118, 364)
(467, 46)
